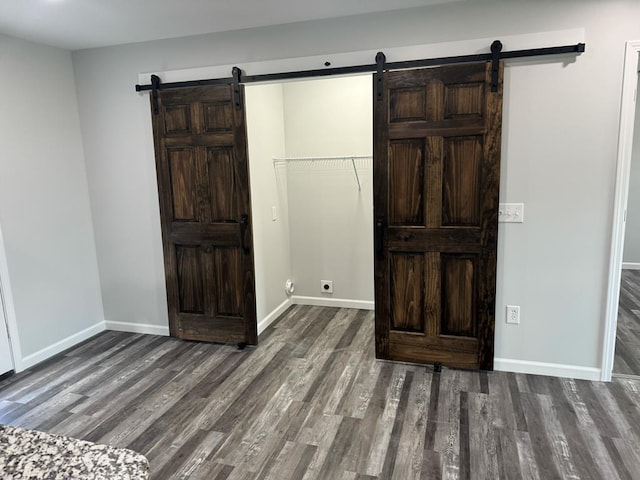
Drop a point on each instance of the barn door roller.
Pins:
(380, 61)
(494, 57)
(155, 84)
(237, 93)
(496, 48)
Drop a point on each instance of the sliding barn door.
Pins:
(203, 185)
(436, 177)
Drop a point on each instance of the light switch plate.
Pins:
(511, 213)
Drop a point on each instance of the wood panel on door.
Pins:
(203, 185)
(436, 180)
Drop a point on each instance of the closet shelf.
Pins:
(351, 158)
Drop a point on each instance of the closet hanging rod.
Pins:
(427, 62)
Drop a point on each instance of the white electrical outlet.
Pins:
(511, 213)
(326, 286)
(513, 314)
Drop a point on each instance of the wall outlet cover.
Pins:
(326, 286)
(513, 314)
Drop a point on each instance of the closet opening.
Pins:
(310, 149)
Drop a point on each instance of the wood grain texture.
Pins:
(627, 356)
(203, 185)
(325, 410)
(177, 119)
(461, 181)
(406, 183)
(407, 104)
(190, 279)
(464, 100)
(407, 284)
(458, 295)
(222, 178)
(436, 181)
(218, 116)
(182, 167)
(489, 196)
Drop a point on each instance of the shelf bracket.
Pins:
(355, 170)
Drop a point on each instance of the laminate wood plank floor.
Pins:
(627, 356)
(311, 402)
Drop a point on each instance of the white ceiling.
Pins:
(78, 24)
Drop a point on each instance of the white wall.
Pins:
(632, 232)
(265, 130)
(559, 156)
(329, 116)
(44, 202)
(331, 221)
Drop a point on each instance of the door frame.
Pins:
(7, 309)
(623, 170)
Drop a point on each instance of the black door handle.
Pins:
(379, 235)
(244, 223)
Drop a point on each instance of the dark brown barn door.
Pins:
(436, 176)
(203, 185)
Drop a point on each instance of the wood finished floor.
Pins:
(311, 402)
(627, 357)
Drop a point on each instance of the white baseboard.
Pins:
(72, 340)
(630, 266)
(164, 331)
(332, 302)
(137, 328)
(269, 319)
(550, 369)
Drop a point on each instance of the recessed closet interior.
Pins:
(310, 147)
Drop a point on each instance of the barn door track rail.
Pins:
(381, 65)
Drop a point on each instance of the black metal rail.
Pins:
(325, 72)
